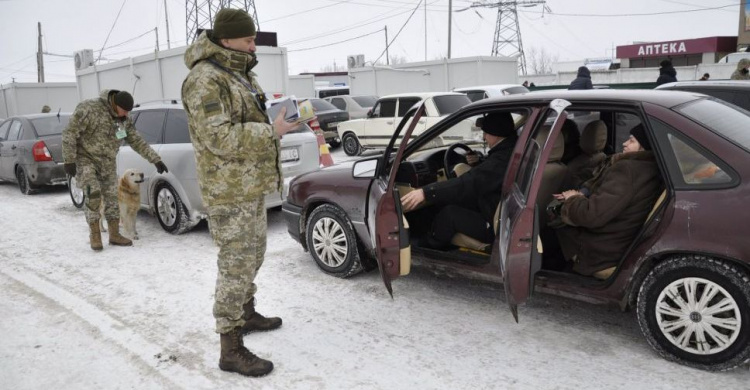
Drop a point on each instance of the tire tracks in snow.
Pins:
(112, 329)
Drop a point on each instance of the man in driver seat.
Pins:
(468, 202)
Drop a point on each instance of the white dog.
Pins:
(129, 199)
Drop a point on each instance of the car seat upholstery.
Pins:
(592, 142)
(552, 178)
(464, 241)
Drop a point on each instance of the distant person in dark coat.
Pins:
(583, 79)
(667, 73)
(468, 202)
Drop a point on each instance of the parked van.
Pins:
(324, 92)
(733, 58)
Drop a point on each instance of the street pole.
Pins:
(450, 16)
(40, 55)
(387, 56)
(166, 16)
(156, 30)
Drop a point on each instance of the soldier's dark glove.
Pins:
(160, 167)
(70, 168)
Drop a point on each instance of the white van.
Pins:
(733, 58)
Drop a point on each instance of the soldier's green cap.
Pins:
(233, 23)
(124, 100)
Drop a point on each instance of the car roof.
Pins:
(728, 84)
(661, 98)
(498, 87)
(159, 104)
(37, 116)
(422, 95)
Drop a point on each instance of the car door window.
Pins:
(4, 130)
(385, 109)
(15, 130)
(404, 104)
(176, 131)
(149, 125)
(339, 103)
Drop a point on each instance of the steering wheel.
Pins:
(452, 157)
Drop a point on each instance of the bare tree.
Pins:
(539, 61)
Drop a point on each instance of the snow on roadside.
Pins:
(140, 317)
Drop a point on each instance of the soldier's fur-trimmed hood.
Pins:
(204, 48)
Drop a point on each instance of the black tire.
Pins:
(327, 255)
(351, 145)
(23, 182)
(77, 195)
(334, 144)
(729, 285)
(170, 211)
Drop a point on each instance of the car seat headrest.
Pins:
(594, 137)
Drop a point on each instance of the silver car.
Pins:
(175, 197)
(356, 106)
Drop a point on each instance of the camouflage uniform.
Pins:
(237, 154)
(90, 142)
(738, 73)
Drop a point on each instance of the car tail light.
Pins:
(314, 125)
(40, 152)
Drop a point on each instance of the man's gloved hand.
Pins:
(160, 167)
(70, 168)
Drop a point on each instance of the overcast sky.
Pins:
(576, 29)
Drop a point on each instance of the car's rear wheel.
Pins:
(170, 211)
(76, 194)
(23, 181)
(695, 310)
(351, 145)
(332, 241)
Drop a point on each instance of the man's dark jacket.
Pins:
(583, 79)
(667, 74)
(481, 187)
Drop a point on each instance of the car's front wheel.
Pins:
(76, 194)
(23, 181)
(332, 241)
(170, 211)
(351, 145)
(695, 310)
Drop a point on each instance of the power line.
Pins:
(110, 30)
(336, 43)
(306, 11)
(347, 28)
(399, 31)
(638, 14)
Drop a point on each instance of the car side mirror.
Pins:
(365, 169)
(369, 113)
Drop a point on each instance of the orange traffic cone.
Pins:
(325, 159)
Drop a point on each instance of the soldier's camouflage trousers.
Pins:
(99, 183)
(240, 232)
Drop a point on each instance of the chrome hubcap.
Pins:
(698, 316)
(76, 192)
(166, 207)
(329, 242)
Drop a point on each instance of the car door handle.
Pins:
(421, 122)
(13, 147)
(389, 123)
(525, 239)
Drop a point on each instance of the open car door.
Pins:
(387, 225)
(517, 242)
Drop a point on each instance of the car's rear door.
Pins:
(9, 150)
(517, 246)
(387, 225)
(150, 125)
(4, 127)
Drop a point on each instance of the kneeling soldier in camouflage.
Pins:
(237, 154)
(90, 145)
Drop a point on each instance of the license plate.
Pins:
(333, 125)
(289, 154)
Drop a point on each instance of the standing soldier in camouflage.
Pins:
(90, 145)
(237, 154)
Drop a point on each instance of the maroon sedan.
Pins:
(686, 272)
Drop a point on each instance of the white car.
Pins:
(487, 91)
(376, 130)
(175, 196)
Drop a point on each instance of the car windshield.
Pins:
(365, 101)
(322, 105)
(50, 125)
(725, 119)
(448, 104)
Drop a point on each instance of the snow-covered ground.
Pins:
(140, 318)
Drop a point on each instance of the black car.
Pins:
(736, 92)
(329, 118)
(31, 150)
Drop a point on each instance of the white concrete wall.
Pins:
(159, 75)
(301, 86)
(636, 75)
(433, 76)
(28, 98)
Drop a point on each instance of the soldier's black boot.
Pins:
(95, 236)
(113, 225)
(255, 321)
(236, 358)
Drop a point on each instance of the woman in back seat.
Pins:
(604, 216)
